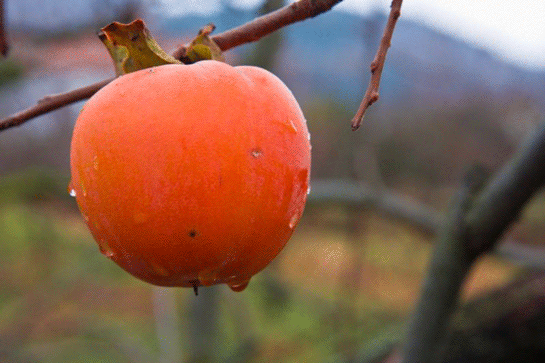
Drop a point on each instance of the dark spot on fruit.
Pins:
(192, 233)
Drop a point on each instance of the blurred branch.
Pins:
(51, 103)
(473, 228)
(448, 268)
(411, 212)
(387, 202)
(167, 324)
(3, 40)
(372, 94)
(246, 33)
(202, 324)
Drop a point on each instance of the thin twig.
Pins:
(4, 47)
(51, 103)
(372, 94)
(246, 33)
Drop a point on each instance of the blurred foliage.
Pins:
(61, 300)
(339, 290)
(10, 71)
(33, 185)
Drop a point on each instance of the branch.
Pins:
(266, 24)
(383, 201)
(467, 236)
(448, 268)
(372, 94)
(418, 215)
(249, 32)
(51, 103)
(3, 40)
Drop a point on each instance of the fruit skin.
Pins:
(191, 175)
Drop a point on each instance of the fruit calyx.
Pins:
(132, 48)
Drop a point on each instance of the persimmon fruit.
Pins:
(191, 175)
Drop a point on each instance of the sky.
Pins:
(512, 30)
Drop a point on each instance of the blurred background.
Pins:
(457, 90)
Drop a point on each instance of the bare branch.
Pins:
(50, 103)
(386, 202)
(266, 24)
(249, 32)
(372, 94)
(3, 40)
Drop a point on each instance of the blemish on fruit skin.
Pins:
(192, 233)
(95, 162)
(292, 126)
(160, 270)
(256, 152)
(289, 125)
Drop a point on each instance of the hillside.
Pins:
(330, 54)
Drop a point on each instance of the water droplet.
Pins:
(95, 162)
(238, 286)
(207, 278)
(72, 192)
(105, 249)
(293, 221)
(308, 136)
(308, 190)
(257, 153)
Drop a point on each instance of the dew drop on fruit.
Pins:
(207, 278)
(308, 190)
(293, 221)
(105, 249)
(71, 190)
(238, 285)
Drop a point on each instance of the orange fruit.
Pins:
(191, 175)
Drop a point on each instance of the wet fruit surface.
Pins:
(191, 175)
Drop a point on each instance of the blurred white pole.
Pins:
(167, 324)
